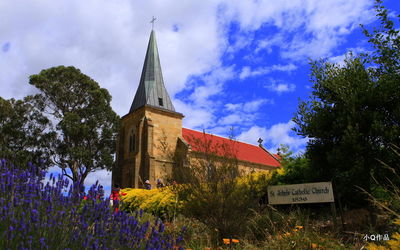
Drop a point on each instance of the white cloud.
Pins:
(267, 43)
(50, 33)
(107, 41)
(253, 106)
(240, 41)
(199, 108)
(233, 107)
(339, 60)
(240, 114)
(102, 176)
(226, 130)
(248, 72)
(251, 136)
(213, 84)
(195, 117)
(277, 134)
(280, 87)
(306, 29)
(282, 133)
(232, 119)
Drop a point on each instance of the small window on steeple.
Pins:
(160, 102)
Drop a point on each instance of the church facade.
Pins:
(152, 133)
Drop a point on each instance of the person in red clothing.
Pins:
(115, 197)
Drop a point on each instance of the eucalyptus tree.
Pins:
(84, 122)
(24, 133)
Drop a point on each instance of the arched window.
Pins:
(132, 141)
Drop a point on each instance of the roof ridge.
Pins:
(246, 152)
(225, 138)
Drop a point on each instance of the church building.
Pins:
(152, 132)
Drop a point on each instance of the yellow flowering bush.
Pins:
(160, 201)
(392, 243)
(259, 180)
(164, 201)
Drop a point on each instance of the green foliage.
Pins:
(216, 192)
(24, 135)
(385, 40)
(294, 169)
(85, 123)
(269, 229)
(223, 206)
(386, 197)
(353, 115)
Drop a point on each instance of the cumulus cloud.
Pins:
(211, 84)
(249, 106)
(306, 28)
(199, 107)
(106, 41)
(279, 86)
(195, 117)
(248, 72)
(49, 33)
(339, 59)
(102, 176)
(268, 43)
(239, 114)
(251, 135)
(253, 106)
(233, 107)
(233, 119)
(280, 133)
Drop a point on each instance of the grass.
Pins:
(268, 230)
(280, 227)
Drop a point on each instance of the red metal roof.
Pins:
(243, 151)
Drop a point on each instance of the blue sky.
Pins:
(240, 64)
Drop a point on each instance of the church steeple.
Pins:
(151, 90)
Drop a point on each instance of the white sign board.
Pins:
(300, 193)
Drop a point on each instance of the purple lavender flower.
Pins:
(38, 215)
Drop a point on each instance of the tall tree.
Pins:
(214, 190)
(353, 115)
(85, 123)
(24, 133)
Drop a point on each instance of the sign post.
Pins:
(318, 192)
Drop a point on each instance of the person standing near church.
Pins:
(160, 184)
(147, 185)
(115, 197)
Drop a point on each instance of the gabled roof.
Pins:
(243, 151)
(151, 90)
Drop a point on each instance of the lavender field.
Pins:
(39, 214)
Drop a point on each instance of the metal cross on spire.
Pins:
(152, 22)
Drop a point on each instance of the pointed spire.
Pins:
(151, 90)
